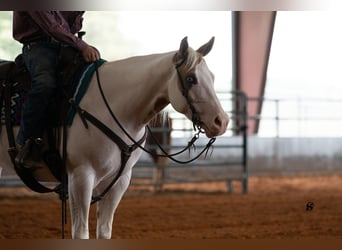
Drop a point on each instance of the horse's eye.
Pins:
(191, 79)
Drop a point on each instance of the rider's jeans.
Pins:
(41, 60)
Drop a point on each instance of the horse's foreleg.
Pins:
(80, 192)
(106, 207)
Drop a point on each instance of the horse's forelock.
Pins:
(193, 58)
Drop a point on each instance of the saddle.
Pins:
(15, 82)
(14, 72)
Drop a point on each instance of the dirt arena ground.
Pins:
(275, 208)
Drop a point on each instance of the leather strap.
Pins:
(126, 150)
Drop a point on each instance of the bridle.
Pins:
(185, 84)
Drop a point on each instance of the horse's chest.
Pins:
(114, 163)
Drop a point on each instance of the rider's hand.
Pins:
(90, 54)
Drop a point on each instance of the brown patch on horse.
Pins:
(161, 120)
(160, 103)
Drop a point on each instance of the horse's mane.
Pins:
(161, 119)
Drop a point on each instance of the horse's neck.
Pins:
(136, 88)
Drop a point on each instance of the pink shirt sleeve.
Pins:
(52, 23)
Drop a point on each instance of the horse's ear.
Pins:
(205, 49)
(182, 54)
(183, 49)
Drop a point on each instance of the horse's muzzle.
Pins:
(217, 126)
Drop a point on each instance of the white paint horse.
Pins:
(137, 89)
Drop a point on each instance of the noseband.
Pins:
(186, 82)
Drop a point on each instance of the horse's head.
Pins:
(195, 96)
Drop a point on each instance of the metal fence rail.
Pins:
(299, 117)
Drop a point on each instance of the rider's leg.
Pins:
(41, 61)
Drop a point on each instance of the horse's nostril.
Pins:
(218, 121)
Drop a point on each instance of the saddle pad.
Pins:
(17, 101)
(82, 87)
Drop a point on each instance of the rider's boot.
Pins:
(24, 157)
